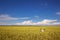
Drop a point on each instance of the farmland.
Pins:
(29, 33)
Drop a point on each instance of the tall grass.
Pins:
(30, 36)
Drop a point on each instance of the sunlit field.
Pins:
(29, 32)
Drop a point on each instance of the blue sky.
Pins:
(14, 11)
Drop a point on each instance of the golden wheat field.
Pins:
(29, 32)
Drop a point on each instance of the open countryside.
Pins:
(29, 19)
(29, 33)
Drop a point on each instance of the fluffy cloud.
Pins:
(7, 17)
(58, 13)
(29, 22)
(44, 22)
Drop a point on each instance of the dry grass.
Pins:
(29, 33)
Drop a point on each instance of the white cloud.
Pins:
(7, 17)
(44, 22)
(29, 22)
(36, 16)
(24, 18)
(58, 13)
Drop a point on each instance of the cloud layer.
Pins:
(7, 17)
(58, 13)
(30, 22)
(27, 22)
(43, 22)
